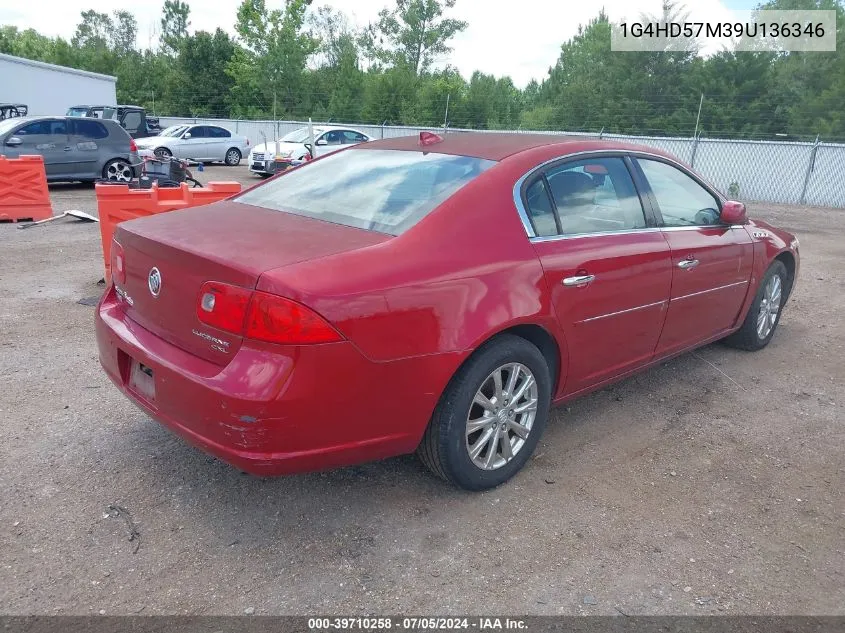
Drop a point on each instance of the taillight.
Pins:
(118, 263)
(223, 306)
(278, 320)
(262, 316)
(133, 147)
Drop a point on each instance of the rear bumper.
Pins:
(276, 410)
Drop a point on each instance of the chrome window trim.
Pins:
(648, 229)
(523, 212)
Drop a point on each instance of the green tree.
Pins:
(174, 25)
(198, 84)
(269, 67)
(412, 35)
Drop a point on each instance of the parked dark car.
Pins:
(73, 148)
(132, 118)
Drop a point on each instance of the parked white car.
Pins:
(204, 143)
(292, 147)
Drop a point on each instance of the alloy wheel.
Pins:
(119, 171)
(769, 307)
(501, 416)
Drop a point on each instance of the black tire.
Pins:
(118, 170)
(748, 336)
(163, 152)
(233, 157)
(444, 447)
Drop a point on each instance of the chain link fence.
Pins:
(760, 171)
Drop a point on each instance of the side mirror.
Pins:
(186, 135)
(322, 141)
(14, 141)
(733, 212)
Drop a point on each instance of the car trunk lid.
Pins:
(226, 242)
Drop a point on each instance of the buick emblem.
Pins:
(154, 281)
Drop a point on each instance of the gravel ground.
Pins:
(712, 484)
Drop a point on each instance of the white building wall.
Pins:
(51, 89)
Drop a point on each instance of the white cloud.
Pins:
(520, 39)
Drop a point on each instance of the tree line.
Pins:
(298, 61)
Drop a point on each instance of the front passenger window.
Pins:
(682, 201)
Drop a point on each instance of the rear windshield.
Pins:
(381, 190)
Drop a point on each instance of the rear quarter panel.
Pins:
(465, 272)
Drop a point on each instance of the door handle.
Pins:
(688, 264)
(578, 280)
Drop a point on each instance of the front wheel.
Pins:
(764, 314)
(233, 157)
(491, 415)
(117, 170)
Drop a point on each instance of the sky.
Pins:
(519, 39)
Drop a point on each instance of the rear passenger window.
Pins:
(89, 129)
(540, 209)
(595, 195)
(218, 132)
(350, 137)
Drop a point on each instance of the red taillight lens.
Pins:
(118, 263)
(262, 316)
(278, 320)
(133, 147)
(223, 306)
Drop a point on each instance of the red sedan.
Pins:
(430, 295)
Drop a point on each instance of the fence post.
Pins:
(810, 165)
(694, 150)
(383, 123)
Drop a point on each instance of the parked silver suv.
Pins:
(73, 148)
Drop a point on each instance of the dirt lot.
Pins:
(713, 484)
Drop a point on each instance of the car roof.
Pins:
(44, 117)
(329, 128)
(498, 146)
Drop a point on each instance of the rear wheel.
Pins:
(117, 170)
(162, 152)
(764, 314)
(491, 415)
(233, 157)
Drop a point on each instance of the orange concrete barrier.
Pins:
(118, 203)
(23, 189)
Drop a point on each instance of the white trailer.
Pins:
(51, 89)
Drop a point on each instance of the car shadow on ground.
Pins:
(251, 509)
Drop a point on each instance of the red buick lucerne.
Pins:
(430, 295)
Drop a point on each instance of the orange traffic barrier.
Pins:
(118, 203)
(23, 189)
